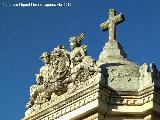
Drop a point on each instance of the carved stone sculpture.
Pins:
(148, 75)
(60, 69)
(78, 52)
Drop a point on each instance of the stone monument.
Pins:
(74, 86)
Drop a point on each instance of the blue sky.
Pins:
(27, 32)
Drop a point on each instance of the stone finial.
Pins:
(112, 51)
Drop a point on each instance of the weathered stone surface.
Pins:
(73, 86)
(111, 23)
(63, 70)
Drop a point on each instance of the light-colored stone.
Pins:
(73, 86)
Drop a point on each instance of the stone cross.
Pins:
(111, 23)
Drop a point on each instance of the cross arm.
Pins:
(104, 26)
(119, 18)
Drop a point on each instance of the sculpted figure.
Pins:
(44, 70)
(78, 52)
(82, 66)
(38, 91)
(35, 90)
